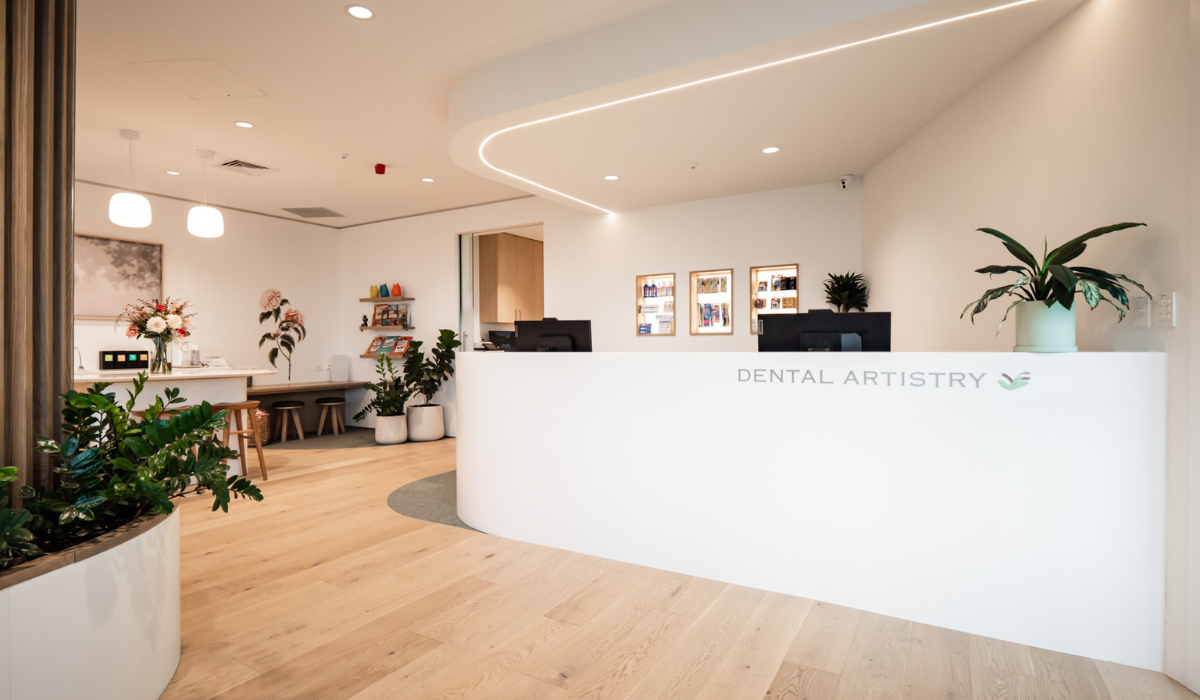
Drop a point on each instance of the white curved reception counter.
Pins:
(1015, 496)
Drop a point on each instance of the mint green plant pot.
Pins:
(1042, 328)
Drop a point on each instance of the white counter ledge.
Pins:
(211, 384)
(909, 484)
(88, 377)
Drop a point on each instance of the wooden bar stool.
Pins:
(284, 409)
(336, 408)
(237, 427)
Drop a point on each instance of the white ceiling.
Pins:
(331, 85)
(832, 114)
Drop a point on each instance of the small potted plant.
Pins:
(1045, 291)
(391, 393)
(847, 292)
(423, 376)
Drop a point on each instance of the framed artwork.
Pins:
(113, 272)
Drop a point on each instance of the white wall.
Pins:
(1088, 126)
(224, 277)
(591, 263)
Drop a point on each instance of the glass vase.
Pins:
(160, 362)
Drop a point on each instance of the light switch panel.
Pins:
(1166, 310)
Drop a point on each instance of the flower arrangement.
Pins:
(162, 322)
(289, 327)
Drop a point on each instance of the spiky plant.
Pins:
(848, 291)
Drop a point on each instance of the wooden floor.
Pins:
(322, 592)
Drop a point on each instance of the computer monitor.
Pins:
(553, 335)
(502, 339)
(868, 332)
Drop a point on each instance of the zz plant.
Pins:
(1051, 281)
(16, 539)
(391, 391)
(112, 468)
(425, 376)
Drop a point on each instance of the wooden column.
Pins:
(36, 318)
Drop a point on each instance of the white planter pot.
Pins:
(114, 615)
(1042, 328)
(391, 430)
(426, 423)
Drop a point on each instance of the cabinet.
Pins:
(510, 279)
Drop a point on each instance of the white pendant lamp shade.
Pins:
(205, 222)
(130, 210)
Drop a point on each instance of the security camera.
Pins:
(845, 181)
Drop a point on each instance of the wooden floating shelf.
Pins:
(386, 300)
(383, 328)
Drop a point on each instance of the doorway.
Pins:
(501, 281)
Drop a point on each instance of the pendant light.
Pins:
(129, 209)
(205, 221)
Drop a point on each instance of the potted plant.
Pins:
(391, 392)
(108, 518)
(423, 376)
(1045, 291)
(847, 292)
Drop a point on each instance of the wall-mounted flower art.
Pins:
(289, 327)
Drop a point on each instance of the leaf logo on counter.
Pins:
(1010, 383)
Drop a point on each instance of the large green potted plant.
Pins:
(390, 394)
(847, 292)
(1045, 291)
(424, 376)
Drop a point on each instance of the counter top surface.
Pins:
(180, 374)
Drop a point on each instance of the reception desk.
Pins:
(927, 486)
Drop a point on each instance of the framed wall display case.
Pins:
(773, 291)
(712, 302)
(655, 304)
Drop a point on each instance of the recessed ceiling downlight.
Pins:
(359, 12)
(426, 179)
(172, 172)
(610, 177)
(244, 125)
(771, 149)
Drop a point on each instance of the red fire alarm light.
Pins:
(379, 168)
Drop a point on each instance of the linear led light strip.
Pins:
(714, 78)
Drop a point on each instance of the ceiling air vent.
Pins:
(312, 212)
(245, 168)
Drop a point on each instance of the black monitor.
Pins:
(553, 335)
(502, 339)
(822, 331)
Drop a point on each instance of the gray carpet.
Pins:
(433, 499)
(353, 437)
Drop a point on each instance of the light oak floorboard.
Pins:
(939, 665)
(794, 682)
(322, 591)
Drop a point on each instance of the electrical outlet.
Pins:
(1139, 312)
(1166, 310)
(319, 367)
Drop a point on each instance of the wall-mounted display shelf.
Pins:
(773, 291)
(389, 314)
(712, 302)
(395, 346)
(654, 304)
